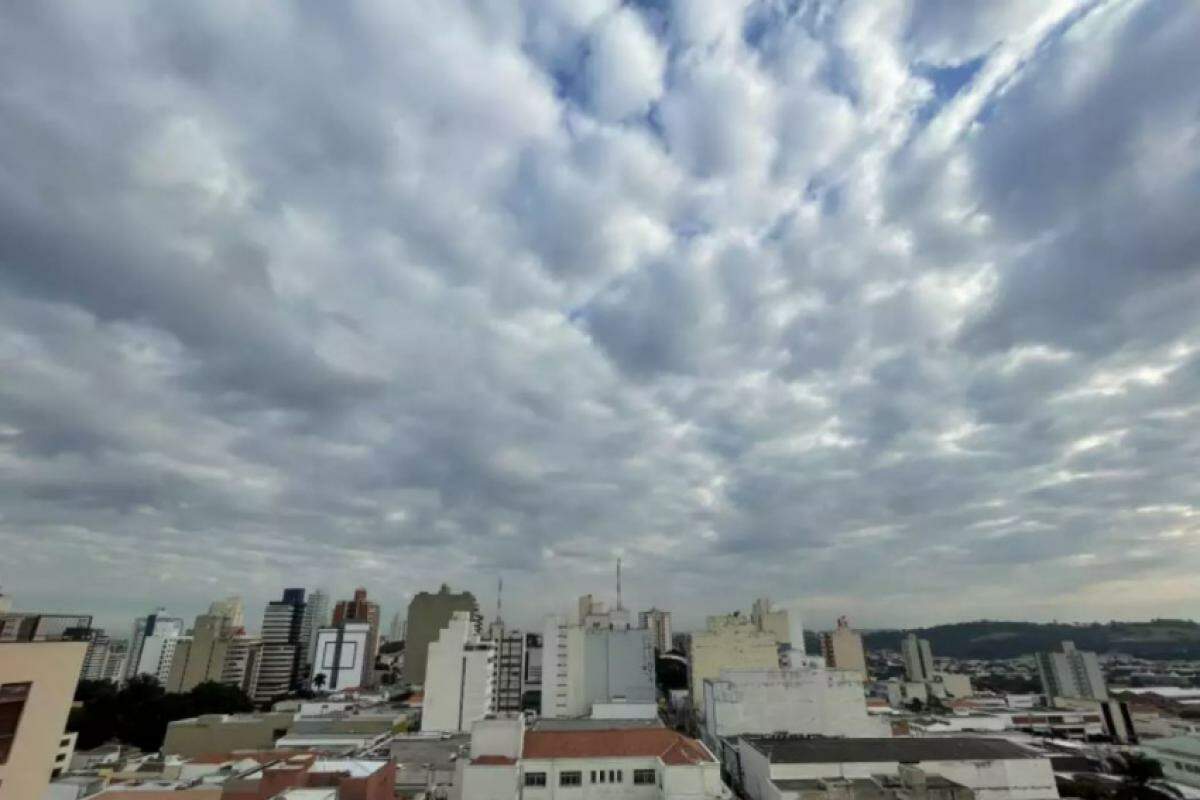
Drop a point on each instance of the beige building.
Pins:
(773, 621)
(842, 648)
(731, 641)
(224, 733)
(200, 657)
(37, 684)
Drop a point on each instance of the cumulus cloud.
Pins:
(871, 305)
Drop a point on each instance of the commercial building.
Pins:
(1179, 757)
(341, 654)
(285, 644)
(200, 656)
(222, 733)
(152, 646)
(652, 763)
(583, 666)
(459, 677)
(531, 675)
(918, 658)
(806, 701)
(509, 696)
(428, 614)
(1071, 673)
(35, 627)
(316, 610)
(242, 659)
(730, 641)
(37, 685)
(766, 767)
(658, 622)
(362, 610)
(842, 648)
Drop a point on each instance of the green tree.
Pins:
(319, 680)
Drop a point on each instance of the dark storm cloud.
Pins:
(868, 304)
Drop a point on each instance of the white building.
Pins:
(918, 658)
(654, 763)
(1179, 757)
(994, 769)
(152, 646)
(595, 614)
(1071, 673)
(806, 701)
(731, 641)
(658, 622)
(459, 677)
(316, 616)
(510, 668)
(583, 666)
(339, 655)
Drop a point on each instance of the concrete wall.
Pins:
(52, 670)
(729, 643)
(217, 733)
(428, 614)
(618, 664)
(563, 688)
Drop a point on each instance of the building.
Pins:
(531, 674)
(596, 614)
(152, 646)
(232, 609)
(32, 627)
(242, 658)
(842, 648)
(285, 644)
(317, 611)
(222, 733)
(1071, 673)
(584, 666)
(5, 603)
(768, 767)
(807, 701)
(341, 654)
(774, 621)
(652, 763)
(362, 610)
(658, 622)
(428, 614)
(104, 659)
(1179, 757)
(732, 642)
(918, 658)
(305, 776)
(201, 656)
(396, 628)
(509, 696)
(459, 677)
(37, 685)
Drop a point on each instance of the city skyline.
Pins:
(872, 305)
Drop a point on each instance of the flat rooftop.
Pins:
(799, 750)
(594, 724)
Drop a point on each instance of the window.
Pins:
(643, 777)
(535, 779)
(612, 776)
(620, 776)
(602, 776)
(12, 702)
(593, 776)
(59, 757)
(570, 778)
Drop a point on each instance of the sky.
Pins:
(876, 308)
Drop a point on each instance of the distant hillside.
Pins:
(1158, 639)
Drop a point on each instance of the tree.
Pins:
(319, 680)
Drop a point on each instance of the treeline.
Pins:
(137, 714)
(1157, 639)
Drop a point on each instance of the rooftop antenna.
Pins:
(619, 583)
(499, 598)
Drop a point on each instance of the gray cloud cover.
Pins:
(889, 309)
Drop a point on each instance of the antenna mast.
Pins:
(619, 583)
(500, 599)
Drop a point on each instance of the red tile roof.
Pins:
(673, 748)
(494, 761)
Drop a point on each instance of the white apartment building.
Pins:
(241, 662)
(584, 666)
(339, 655)
(807, 701)
(459, 677)
(658, 622)
(152, 646)
(655, 763)
(918, 658)
(994, 769)
(1071, 673)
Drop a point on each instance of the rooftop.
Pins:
(593, 724)
(671, 747)
(1183, 745)
(800, 750)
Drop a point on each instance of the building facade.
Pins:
(37, 685)
(509, 696)
(428, 614)
(152, 646)
(200, 657)
(459, 677)
(32, 627)
(658, 622)
(842, 648)
(341, 653)
(1071, 673)
(918, 658)
(584, 666)
(285, 643)
(731, 641)
(362, 610)
(316, 608)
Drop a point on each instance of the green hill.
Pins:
(1157, 639)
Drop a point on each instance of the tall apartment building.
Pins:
(104, 659)
(459, 677)
(918, 658)
(200, 657)
(733, 641)
(152, 646)
(428, 614)
(531, 673)
(37, 685)
(776, 622)
(285, 643)
(583, 666)
(1071, 673)
(35, 627)
(317, 609)
(658, 622)
(509, 695)
(242, 661)
(360, 609)
(341, 655)
(231, 608)
(842, 648)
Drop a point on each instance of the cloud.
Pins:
(871, 305)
